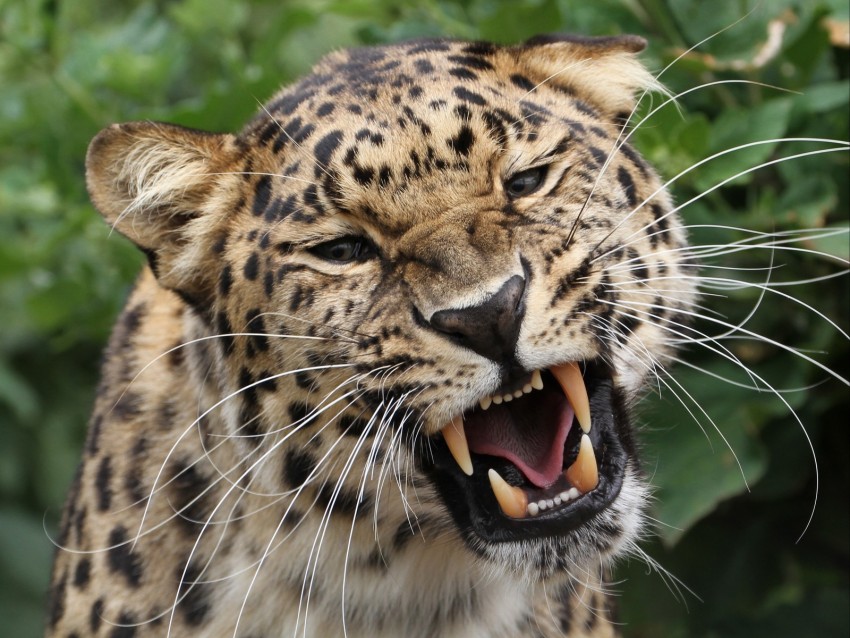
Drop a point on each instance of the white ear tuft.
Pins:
(602, 71)
(156, 184)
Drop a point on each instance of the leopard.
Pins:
(378, 375)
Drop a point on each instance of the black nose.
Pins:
(490, 329)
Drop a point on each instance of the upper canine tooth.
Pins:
(536, 380)
(485, 402)
(570, 379)
(583, 474)
(456, 440)
(512, 500)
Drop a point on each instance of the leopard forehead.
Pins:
(397, 134)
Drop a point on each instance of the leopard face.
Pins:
(414, 293)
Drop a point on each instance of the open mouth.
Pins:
(535, 460)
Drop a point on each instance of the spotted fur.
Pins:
(257, 460)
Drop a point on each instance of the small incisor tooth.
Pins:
(571, 381)
(456, 440)
(512, 500)
(583, 474)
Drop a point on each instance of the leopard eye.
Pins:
(344, 250)
(526, 182)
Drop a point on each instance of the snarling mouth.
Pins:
(537, 460)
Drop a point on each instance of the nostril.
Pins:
(490, 328)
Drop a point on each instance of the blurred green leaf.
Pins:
(695, 473)
(747, 133)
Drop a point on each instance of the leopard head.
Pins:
(427, 269)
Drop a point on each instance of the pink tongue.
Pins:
(529, 432)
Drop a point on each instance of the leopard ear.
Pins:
(157, 184)
(603, 71)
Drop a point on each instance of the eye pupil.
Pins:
(526, 182)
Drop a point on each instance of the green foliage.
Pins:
(68, 69)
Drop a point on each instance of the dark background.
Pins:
(731, 559)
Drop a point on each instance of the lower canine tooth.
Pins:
(536, 380)
(456, 440)
(583, 474)
(512, 500)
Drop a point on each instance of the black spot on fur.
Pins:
(496, 127)
(290, 101)
(303, 380)
(262, 194)
(567, 282)
(221, 242)
(471, 61)
(252, 267)
(522, 82)
(325, 109)
(463, 141)
(224, 330)
(463, 74)
(195, 604)
(125, 627)
(628, 186)
(469, 96)
(585, 108)
(93, 437)
(255, 324)
(298, 466)
(343, 500)
(325, 148)
(190, 496)
(103, 484)
(121, 559)
(225, 281)
(385, 176)
(298, 412)
(599, 155)
(128, 406)
(352, 426)
(423, 66)
(82, 573)
(96, 615)
(249, 414)
(364, 175)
